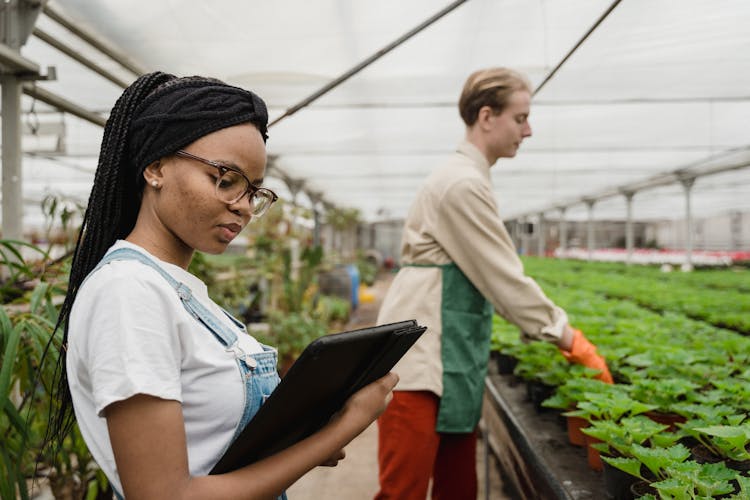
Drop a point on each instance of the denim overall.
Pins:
(258, 370)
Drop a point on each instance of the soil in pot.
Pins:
(617, 483)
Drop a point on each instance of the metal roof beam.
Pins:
(680, 175)
(63, 104)
(73, 54)
(93, 40)
(362, 65)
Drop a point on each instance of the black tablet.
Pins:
(317, 385)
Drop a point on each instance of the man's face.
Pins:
(508, 129)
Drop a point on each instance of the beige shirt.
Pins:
(455, 219)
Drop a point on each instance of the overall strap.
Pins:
(223, 334)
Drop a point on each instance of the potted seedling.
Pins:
(505, 344)
(617, 438)
(729, 442)
(664, 393)
(543, 368)
(567, 396)
(649, 463)
(690, 480)
(612, 403)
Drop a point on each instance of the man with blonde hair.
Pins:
(458, 266)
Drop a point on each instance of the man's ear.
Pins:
(153, 174)
(484, 116)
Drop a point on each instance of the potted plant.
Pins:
(612, 403)
(617, 439)
(567, 396)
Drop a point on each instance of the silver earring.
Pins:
(154, 183)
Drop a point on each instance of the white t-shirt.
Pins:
(130, 334)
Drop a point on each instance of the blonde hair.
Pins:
(489, 87)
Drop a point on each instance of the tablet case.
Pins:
(317, 385)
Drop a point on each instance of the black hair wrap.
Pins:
(179, 113)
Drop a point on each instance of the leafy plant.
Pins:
(612, 404)
(618, 437)
(730, 441)
(690, 480)
(654, 460)
(290, 332)
(25, 403)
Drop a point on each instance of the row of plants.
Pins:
(732, 278)
(668, 368)
(729, 308)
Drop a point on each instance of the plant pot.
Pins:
(538, 392)
(574, 426)
(617, 483)
(505, 363)
(641, 488)
(592, 454)
(670, 419)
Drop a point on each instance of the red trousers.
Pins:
(411, 451)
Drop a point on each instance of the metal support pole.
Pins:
(687, 184)
(563, 230)
(541, 241)
(12, 221)
(17, 19)
(590, 230)
(629, 226)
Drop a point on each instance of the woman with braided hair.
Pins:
(160, 378)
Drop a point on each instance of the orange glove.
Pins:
(583, 352)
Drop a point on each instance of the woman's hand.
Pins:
(334, 459)
(366, 405)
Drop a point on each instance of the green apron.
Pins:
(466, 318)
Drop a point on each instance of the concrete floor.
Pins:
(356, 477)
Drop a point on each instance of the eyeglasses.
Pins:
(232, 185)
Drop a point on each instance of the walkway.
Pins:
(356, 477)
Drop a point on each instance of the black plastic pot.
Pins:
(505, 363)
(538, 392)
(641, 488)
(617, 483)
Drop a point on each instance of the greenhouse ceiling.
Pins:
(626, 91)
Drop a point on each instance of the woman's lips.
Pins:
(229, 231)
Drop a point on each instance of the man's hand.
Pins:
(583, 352)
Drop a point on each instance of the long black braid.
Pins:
(110, 214)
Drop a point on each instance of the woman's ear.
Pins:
(153, 174)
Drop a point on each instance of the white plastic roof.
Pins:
(658, 85)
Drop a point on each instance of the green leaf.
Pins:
(630, 466)
(37, 296)
(9, 360)
(5, 324)
(673, 488)
(13, 415)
